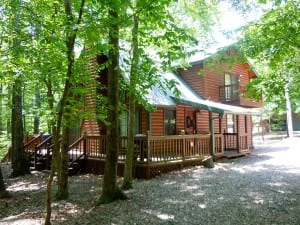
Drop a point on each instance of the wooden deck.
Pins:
(153, 155)
(158, 154)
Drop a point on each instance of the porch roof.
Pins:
(164, 97)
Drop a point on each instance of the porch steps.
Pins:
(39, 158)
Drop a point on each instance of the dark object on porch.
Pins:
(208, 162)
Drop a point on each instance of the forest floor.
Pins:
(260, 188)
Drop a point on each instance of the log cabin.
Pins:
(211, 117)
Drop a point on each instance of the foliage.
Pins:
(273, 42)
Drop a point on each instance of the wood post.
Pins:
(238, 134)
(212, 134)
(35, 157)
(148, 154)
(84, 144)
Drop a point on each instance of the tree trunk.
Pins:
(36, 128)
(289, 120)
(48, 197)
(127, 183)
(20, 164)
(1, 109)
(111, 191)
(71, 33)
(3, 192)
(62, 170)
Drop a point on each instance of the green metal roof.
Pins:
(164, 97)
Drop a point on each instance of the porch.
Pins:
(154, 155)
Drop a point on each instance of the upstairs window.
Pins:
(231, 87)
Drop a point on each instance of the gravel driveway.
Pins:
(260, 188)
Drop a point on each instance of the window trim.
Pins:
(173, 126)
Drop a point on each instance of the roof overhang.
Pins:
(219, 107)
(165, 98)
(199, 105)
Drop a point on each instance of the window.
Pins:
(230, 123)
(231, 87)
(170, 122)
(124, 123)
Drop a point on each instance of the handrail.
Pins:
(76, 142)
(44, 141)
(77, 150)
(32, 141)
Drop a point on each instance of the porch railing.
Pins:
(146, 148)
(157, 148)
(219, 144)
(243, 143)
(235, 141)
(170, 148)
(77, 150)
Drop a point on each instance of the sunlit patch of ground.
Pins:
(286, 154)
(20, 221)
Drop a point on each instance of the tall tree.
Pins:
(110, 190)
(127, 183)
(274, 40)
(20, 165)
(59, 157)
(159, 38)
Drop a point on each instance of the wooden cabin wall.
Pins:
(193, 79)
(144, 121)
(207, 85)
(213, 79)
(89, 125)
(203, 122)
(180, 121)
(243, 71)
(157, 122)
(245, 74)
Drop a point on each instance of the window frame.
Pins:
(170, 123)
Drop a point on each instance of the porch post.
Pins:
(148, 154)
(238, 133)
(212, 134)
(84, 144)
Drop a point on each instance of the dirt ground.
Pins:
(260, 188)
